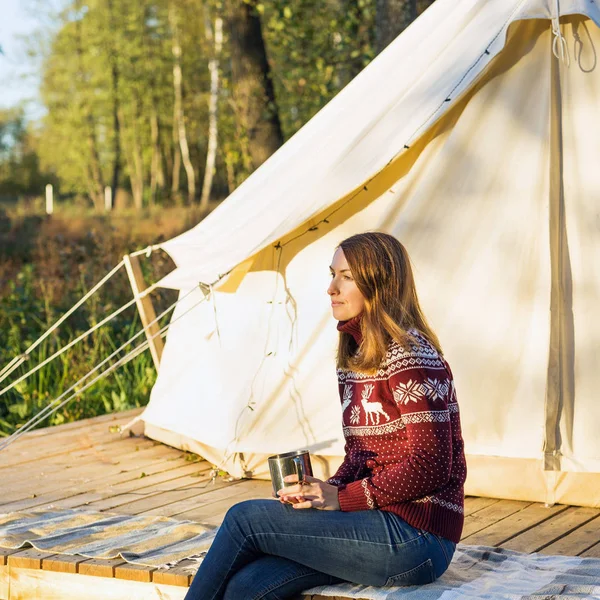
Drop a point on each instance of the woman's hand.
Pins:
(314, 493)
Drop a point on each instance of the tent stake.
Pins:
(145, 307)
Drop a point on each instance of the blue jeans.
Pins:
(265, 550)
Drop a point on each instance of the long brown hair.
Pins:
(381, 268)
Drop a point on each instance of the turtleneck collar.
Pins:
(352, 326)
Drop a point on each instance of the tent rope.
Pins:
(19, 360)
(76, 340)
(559, 44)
(50, 408)
(147, 251)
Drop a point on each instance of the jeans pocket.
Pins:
(419, 575)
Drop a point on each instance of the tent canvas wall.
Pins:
(470, 141)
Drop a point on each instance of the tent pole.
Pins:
(144, 306)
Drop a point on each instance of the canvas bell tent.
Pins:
(474, 138)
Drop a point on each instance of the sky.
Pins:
(19, 80)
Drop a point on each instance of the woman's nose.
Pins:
(332, 289)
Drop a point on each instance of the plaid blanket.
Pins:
(141, 540)
(493, 574)
(475, 572)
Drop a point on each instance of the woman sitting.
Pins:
(393, 512)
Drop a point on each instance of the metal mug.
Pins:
(290, 463)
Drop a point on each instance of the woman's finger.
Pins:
(293, 489)
(306, 504)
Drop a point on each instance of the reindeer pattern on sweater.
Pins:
(404, 447)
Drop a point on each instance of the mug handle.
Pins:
(299, 464)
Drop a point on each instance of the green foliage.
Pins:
(316, 47)
(40, 281)
(107, 84)
(20, 172)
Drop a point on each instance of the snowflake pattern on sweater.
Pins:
(404, 447)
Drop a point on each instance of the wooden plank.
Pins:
(119, 494)
(123, 416)
(213, 514)
(180, 508)
(490, 515)
(474, 504)
(72, 496)
(31, 444)
(145, 307)
(134, 572)
(90, 472)
(175, 575)
(578, 541)
(551, 530)
(54, 446)
(185, 487)
(28, 559)
(4, 578)
(47, 465)
(62, 563)
(501, 531)
(26, 584)
(593, 552)
(92, 465)
(4, 554)
(99, 567)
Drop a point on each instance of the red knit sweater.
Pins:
(404, 448)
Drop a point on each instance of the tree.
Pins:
(114, 71)
(393, 17)
(213, 67)
(179, 118)
(256, 110)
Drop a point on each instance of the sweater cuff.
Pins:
(355, 496)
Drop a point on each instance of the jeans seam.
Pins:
(274, 587)
(226, 578)
(448, 559)
(336, 539)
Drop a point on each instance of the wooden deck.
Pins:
(89, 465)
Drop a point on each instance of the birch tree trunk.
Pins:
(157, 174)
(133, 161)
(179, 116)
(213, 105)
(175, 175)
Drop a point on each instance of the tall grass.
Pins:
(46, 265)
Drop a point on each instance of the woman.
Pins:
(393, 512)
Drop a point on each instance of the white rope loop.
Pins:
(559, 44)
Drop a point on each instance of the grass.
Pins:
(46, 265)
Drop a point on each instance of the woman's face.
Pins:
(346, 300)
